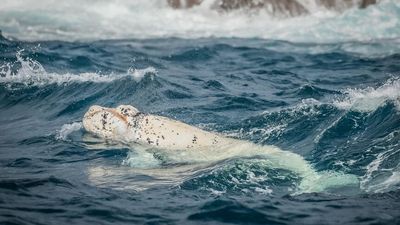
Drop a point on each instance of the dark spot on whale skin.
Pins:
(123, 111)
(162, 136)
(149, 141)
(177, 133)
(215, 141)
(103, 120)
(105, 115)
(137, 115)
(194, 140)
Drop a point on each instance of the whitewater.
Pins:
(322, 87)
(118, 19)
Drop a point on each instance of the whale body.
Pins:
(182, 141)
(125, 123)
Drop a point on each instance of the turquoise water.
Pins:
(333, 99)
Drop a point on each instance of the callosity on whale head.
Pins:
(110, 123)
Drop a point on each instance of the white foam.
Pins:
(380, 178)
(266, 190)
(371, 182)
(115, 19)
(391, 182)
(369, 99)
(307, 107)
(138, 74)
(215, 192)
(324, 180)
(67, 129)
(141, 159)
(32, 73)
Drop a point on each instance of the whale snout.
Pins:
(106, 122)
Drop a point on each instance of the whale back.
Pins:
(125, 123)
(166, 133)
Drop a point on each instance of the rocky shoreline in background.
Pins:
(275, 7)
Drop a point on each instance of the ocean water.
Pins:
(325, 86)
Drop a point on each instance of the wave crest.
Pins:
(370, 98)
(32, 73)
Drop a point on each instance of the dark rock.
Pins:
(183, 3)
(276, 7)
(344, 4)
(366, 3)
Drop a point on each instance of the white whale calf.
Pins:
(127, 125)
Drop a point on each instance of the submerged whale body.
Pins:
(128, 125)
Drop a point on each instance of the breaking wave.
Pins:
(49, 20)
(28, 72)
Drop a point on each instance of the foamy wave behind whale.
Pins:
(47, 19)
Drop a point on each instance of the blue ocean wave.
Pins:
(335, 104)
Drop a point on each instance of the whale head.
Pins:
(110, 123)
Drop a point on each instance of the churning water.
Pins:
(325, 86)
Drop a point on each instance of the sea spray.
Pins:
(50, 20)
(31, 73)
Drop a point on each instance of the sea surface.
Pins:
(325, 86)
